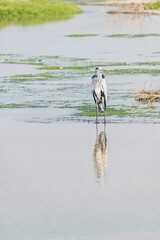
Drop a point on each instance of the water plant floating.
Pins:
(82, 35)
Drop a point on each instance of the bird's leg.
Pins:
(104, 117)
(104, 113)
(96, 113)
(97, 131)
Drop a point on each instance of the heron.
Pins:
(99, 91)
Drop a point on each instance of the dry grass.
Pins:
(147, 97)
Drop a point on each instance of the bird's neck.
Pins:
(99, 74)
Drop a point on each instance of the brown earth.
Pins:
(128, 6)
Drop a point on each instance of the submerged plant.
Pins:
(133, 35)
(81, 35)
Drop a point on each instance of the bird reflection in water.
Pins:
(100, 153)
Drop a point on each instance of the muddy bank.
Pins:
(121, 3)
(135, 9)
(129, 7)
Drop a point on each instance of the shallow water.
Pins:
(48, 39)
(61, 181)
(68, 181)
(66, 93)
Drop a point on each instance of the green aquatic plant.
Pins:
(119, 112)
(51, 68)
(133, 71)
(78, 59)
(80, 68)
(90, 111)
(82, 35)
(149, 63)
(133, 35)
(49, 57)
(21, 106)
(145, 35)
(117, 35)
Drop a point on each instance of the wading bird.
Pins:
(99, 91)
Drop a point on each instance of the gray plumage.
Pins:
(99, 90)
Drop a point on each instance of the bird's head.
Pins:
(100, 70)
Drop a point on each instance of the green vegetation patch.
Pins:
(133, 71)
(89, 68)
(21, 106)
(35, 8)
(154, 5)
(90, 111)
(78, 59)
(80, 68)
(149, 63)
(82, 35)
(120, 112)
(133, 35)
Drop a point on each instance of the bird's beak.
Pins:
(104, 70)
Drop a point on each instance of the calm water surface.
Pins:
(48, 39)
(68, 181)
(61, 93)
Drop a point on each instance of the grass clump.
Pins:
(90, 111)
(133, 71)
(133, 35)
(147, 97)
(20, 106)
(78, 68)
(81, 35)
(20, 9)
(154, 5)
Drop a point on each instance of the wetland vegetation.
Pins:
(133, 35)
(35, 8)
(66, 86)
(33, 12)
(154, 5)
(62, 83)
(81, 35)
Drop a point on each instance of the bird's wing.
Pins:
(96, 91)
(104, 87)
(94, 82)
(94, 87)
